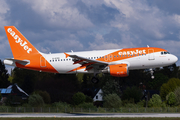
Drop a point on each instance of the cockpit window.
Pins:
(164, 52)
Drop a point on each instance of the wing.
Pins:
(88, 63)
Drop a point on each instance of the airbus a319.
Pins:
(116, 62)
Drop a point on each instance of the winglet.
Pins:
(67, 55)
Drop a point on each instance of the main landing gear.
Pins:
(151, 71)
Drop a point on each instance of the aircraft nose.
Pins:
(174, 59)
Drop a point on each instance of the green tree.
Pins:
(133, 93)
(171, 99)
(171, 71)
(25, 79)
(79, 98)
(168, 87)
(3, 76)
(112, 101)
(0, 96)
(155, 101)
(177, 95)
(45, 95)
(88, 99)
(111, 86)
(35, 100)
(157, 82)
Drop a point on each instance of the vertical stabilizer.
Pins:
(20, 46)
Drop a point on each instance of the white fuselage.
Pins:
(153, 60)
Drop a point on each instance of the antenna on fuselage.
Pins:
(72, 51)
(147, 45)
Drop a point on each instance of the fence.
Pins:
(87, 110)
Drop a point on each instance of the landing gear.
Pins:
(151, 71)
(95, 80)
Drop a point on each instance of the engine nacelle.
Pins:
(118, 70)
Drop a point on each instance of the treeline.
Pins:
(60, 89)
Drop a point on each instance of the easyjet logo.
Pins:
(19, 40)
(132, 52)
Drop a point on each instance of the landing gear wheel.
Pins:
(151, 71)
(94, 80)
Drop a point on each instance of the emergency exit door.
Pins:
(42, 61)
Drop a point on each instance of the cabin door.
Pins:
(151, 54)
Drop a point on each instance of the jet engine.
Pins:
(117, 70)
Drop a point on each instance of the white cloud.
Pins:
(176, 18)
(61, 46)
(5, 49)
(170, 45)
(60, 13)
(4, 8)
(100, 44)
(137, 16)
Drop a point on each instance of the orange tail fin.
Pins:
(20, 46)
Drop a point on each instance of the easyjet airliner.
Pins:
(117, 62)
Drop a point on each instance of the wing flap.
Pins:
(85, 63)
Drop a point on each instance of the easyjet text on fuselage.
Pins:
(132, 52)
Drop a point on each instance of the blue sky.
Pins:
(78, 25)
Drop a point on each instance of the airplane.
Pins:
(116, 62)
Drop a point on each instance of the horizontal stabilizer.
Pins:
(12, 62)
